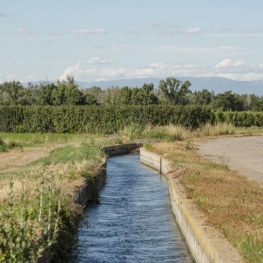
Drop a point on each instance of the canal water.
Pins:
(134, 220)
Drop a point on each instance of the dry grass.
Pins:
(39, 196)
(231, 203)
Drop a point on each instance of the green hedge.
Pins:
(240, 119)
(97, 119)
(110, 119)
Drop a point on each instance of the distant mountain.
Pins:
(218, 85)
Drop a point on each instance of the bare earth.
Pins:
(243, 154)
(14, 159)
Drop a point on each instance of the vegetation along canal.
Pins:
(134, 220)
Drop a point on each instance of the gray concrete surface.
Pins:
(243, 154)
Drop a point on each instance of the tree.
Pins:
(227, 101)
(144, 95)
(11, 93)
(111, 96)
(203, 97)
(125, 97)
(45, 94)
(67, 93)
(93, 96)
(175, 92)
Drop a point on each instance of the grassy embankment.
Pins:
(230, 202)
(37, 207)
(38, 197)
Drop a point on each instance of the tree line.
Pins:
(170, 91)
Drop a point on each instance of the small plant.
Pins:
(148, 146)
(26, 232)
(3, 146)
(118, 141)
(190, 145)
(11, 145)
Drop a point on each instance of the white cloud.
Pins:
(14, 77)
(11, 77)
(227, 63)
(99, 61)
(240, 63)
(75, 71)
(194, 31)
(83, 33)
(113, 73)
(238, 70)
(224, 63)
(24, 32)
(161, 25)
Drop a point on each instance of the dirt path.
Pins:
(243, 154)
(14, 159)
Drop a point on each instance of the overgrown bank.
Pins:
(38, 211)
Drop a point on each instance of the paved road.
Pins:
(244, 154)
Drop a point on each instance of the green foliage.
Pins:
(148, 146)
(248, 246)
(26, 231)
(3, 146)
(42, 218)
(169, 92)
(240, 119)
(72, 153)
(10, 145)
(227, 101)
(111, 119)
(98, 119)
(174, 91)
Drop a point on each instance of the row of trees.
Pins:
(169, 92)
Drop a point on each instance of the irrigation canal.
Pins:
(134, 220)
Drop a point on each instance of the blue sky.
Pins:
(118, 39)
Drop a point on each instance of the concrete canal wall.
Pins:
(206, 244)
(120, 149)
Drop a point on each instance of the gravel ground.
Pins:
(243, 154)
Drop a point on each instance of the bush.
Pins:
(98, 119)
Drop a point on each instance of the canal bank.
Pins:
(206, 244)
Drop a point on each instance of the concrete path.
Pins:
(243, 154)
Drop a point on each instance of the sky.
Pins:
(123, 39)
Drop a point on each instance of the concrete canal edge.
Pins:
(206, 244)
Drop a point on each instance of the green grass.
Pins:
(72, 154)
(35, 139)
(5, 146)
(39, 200)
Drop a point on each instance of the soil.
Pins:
(243, 154)
(14, 159)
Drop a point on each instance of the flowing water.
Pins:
(134, 220)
